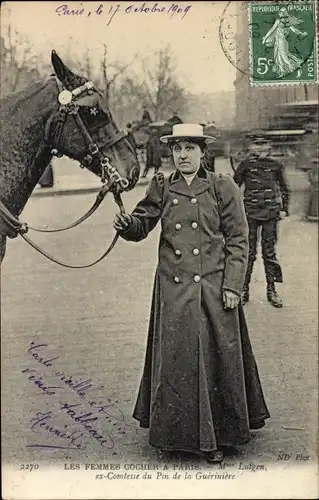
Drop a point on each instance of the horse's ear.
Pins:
(63, 73)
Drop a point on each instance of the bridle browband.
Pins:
(109, 176)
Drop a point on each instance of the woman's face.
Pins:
(187, 156)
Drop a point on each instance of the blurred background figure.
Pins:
(175, 119)
(313, 176)
(130, 135)
(146, 117)
(153, 154)
(208, 160)
(47, 179)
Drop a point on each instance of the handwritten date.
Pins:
(110, 11)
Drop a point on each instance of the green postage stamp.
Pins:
(283, 42)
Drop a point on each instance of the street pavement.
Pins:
(93, 322)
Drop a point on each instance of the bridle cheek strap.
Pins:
(53, 131)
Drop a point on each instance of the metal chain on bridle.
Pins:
(109, 175)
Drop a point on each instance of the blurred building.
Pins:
(257, 107)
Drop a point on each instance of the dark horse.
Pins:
(65, 115)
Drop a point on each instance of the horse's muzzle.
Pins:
(116, 188)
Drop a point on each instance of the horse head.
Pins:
(84, 130)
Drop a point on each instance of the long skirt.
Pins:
(200, 390)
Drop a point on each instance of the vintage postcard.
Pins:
(158, 246)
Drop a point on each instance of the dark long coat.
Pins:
(200, 386)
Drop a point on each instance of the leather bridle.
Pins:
(109, 175)
(54, 128)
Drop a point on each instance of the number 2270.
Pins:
(29, 467)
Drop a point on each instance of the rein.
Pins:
(21, 228)
(11, 226)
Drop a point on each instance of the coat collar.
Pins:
(198, 185)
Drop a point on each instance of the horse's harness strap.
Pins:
(83, 266)
(11, 226)
(70, 266)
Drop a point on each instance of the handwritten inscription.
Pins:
(36, 349)
(85, 420)
(109, 12)
(86, 417)
(43, 421)
(37, 379)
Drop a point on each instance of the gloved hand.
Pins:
(122, 222)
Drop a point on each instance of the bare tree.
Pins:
(158, 89)
(18, 62)
(105, 73)
(88, 68)
(110, 73)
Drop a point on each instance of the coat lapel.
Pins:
(198, 185)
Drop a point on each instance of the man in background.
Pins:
(130, 135)
(266, 199)
(153, 154)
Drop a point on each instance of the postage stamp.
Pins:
(283, 43)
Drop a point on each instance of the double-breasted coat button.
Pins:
(193, 200)
(178, 226)
(178, 252)
(194, 225)
(176, 279)
(197, 278)
(175, 201)
(196, 251)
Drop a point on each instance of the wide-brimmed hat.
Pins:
(187, 131)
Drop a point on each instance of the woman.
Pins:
(285, 62)
(200, 389)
